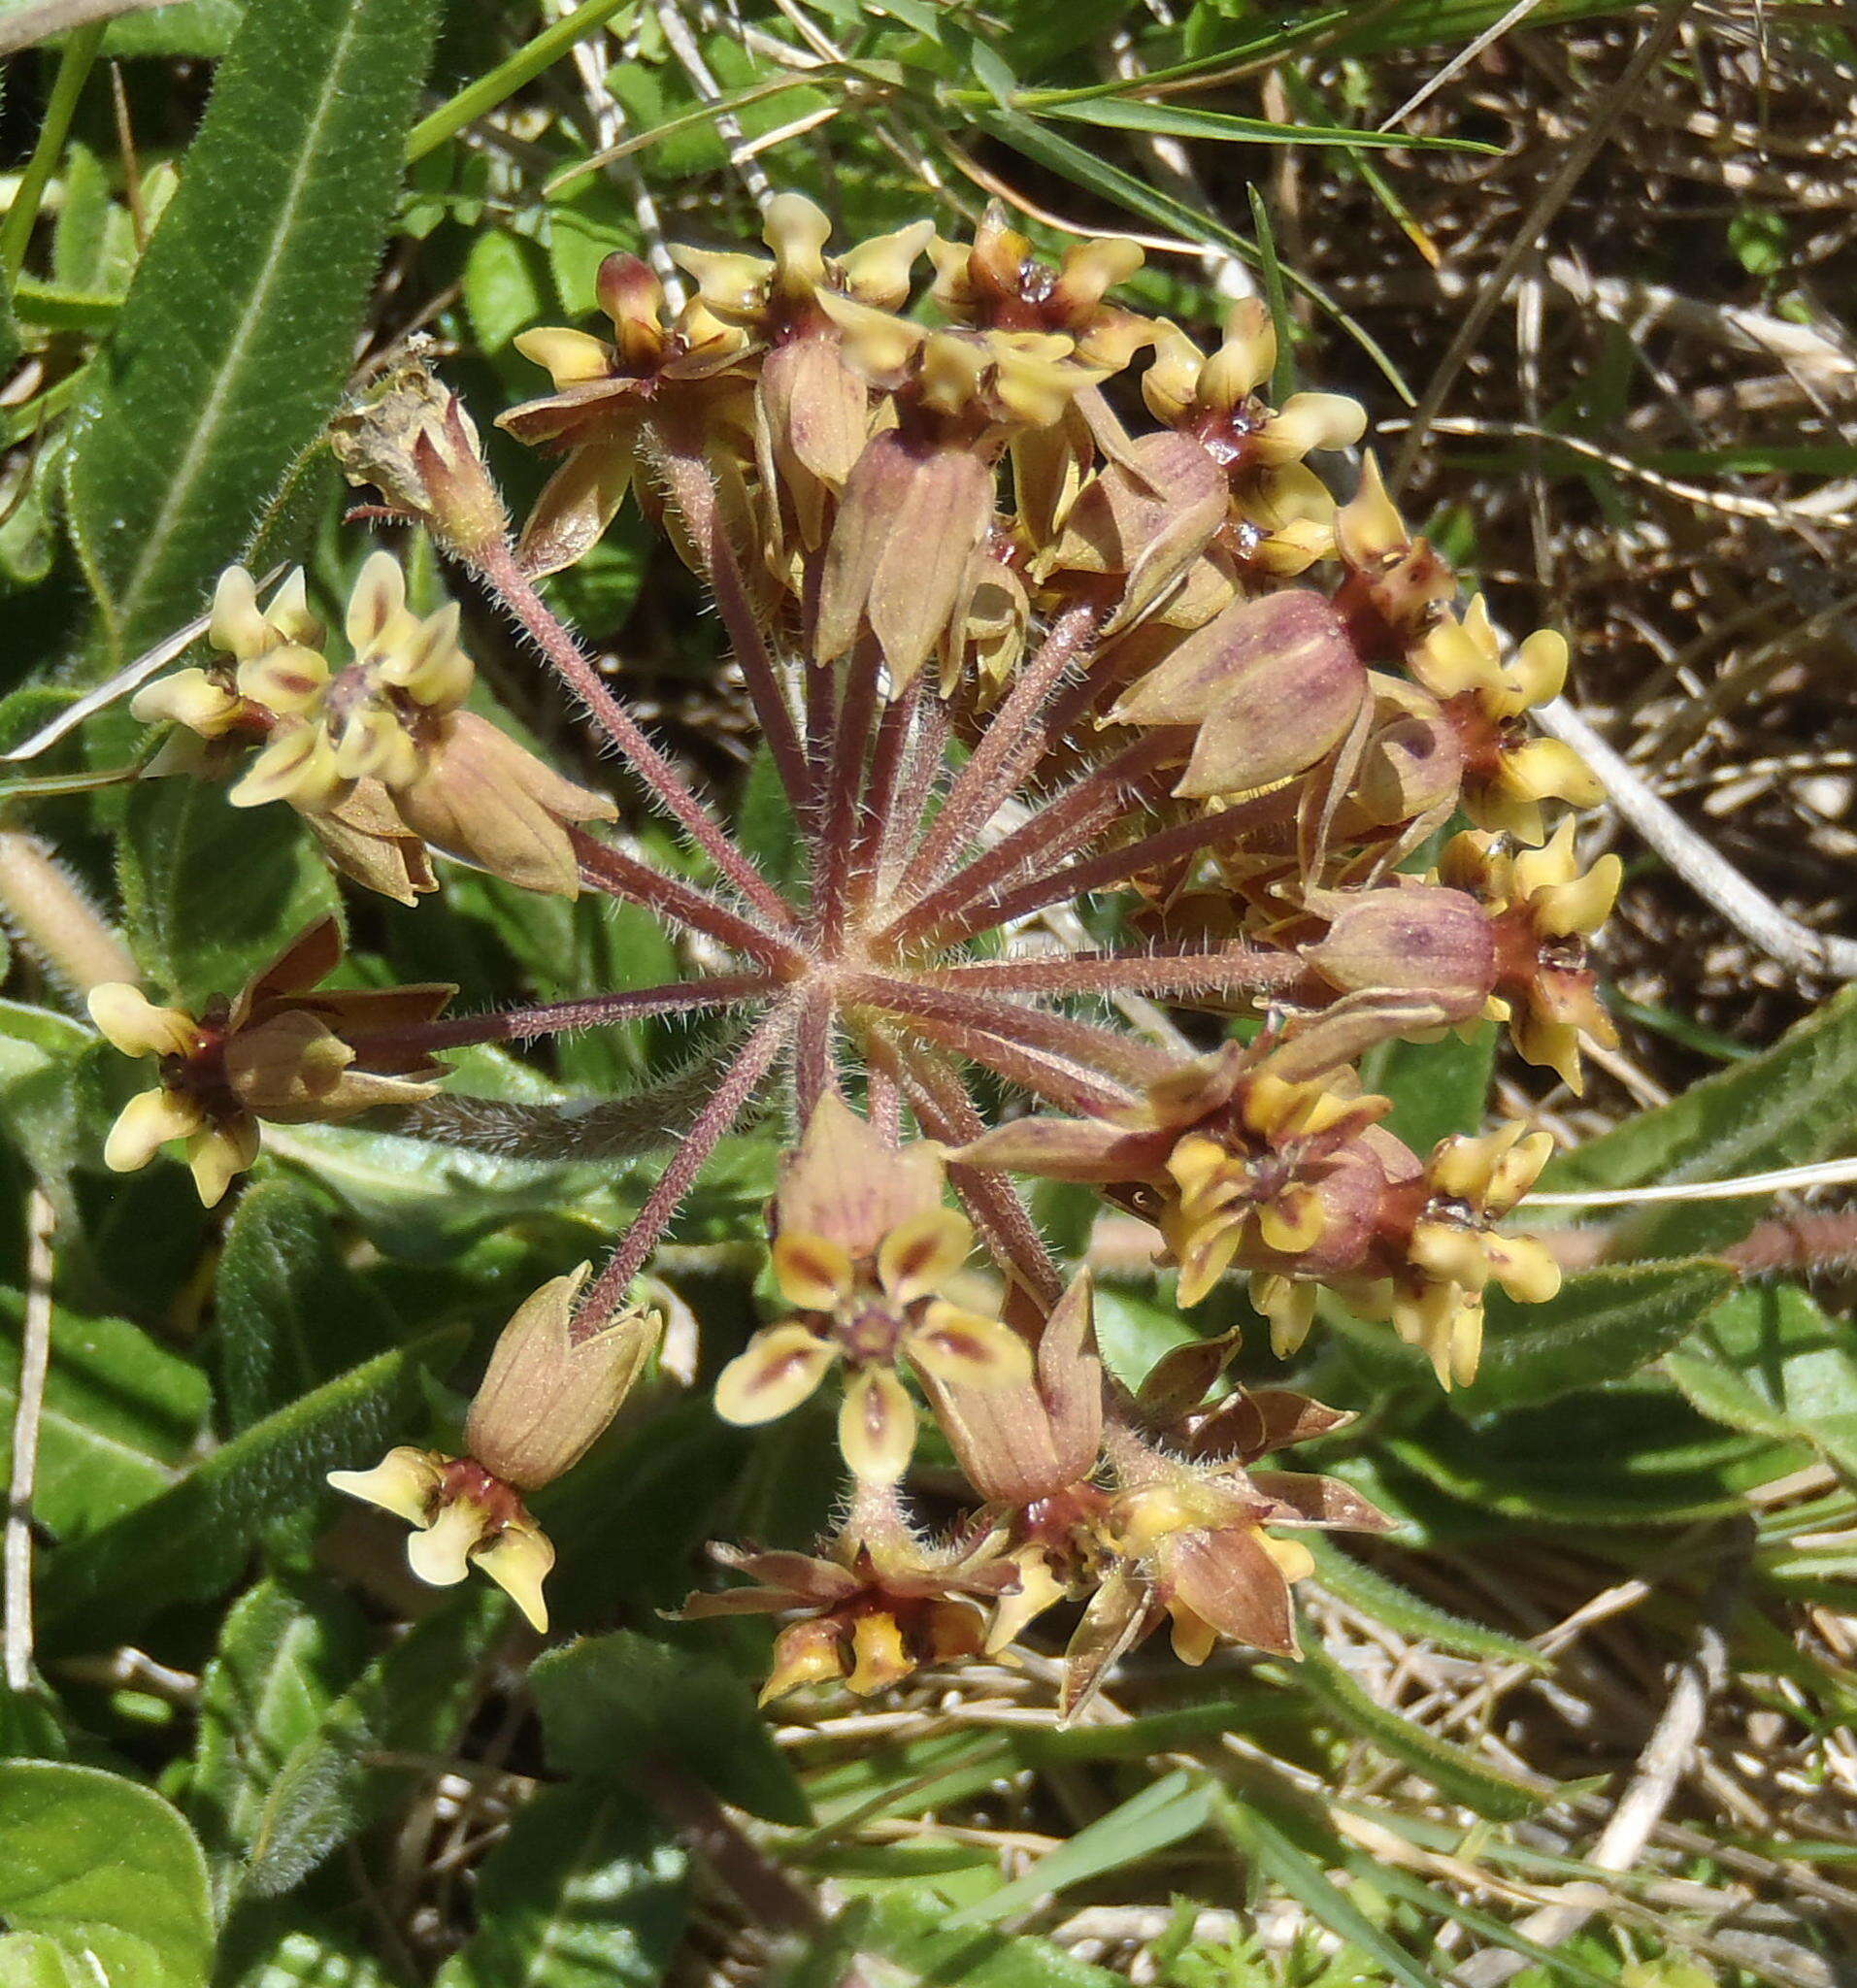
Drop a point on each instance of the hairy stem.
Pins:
(752, 1062)
(878, 820)
(692, 489)
(1079, 812)
(1228, 970)
(844, 786)
(1011, 744)
(613, 871)
(556, 1017)
(815, 1066)
(666, 785)
(940, 1103)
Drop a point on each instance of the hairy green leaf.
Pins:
(284, 1653)
(106, 1872)
(189, 1542)
(1792, 1106)
(211, 892)
(614, 1703)
(120, 1413)
(586, 1891)
(1770, 1361)
(239, 326)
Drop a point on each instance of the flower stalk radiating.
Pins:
(1021, 669)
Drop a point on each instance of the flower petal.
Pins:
(129, 1021)
(518, 1561)
(219, 1153)
(377, 601)
(144, 1125)
(403, 1482)
(969, 1351)
(919, 1256)
(779, 1369)
(441, 1554)
(813, 1271)
(876, 1426)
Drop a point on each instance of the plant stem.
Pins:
(1097, 1052)
(881, 817)
(661, 779)
(67, 87)
(1077, 814)
(725, 1104)
(1011, 744)
(692, 490)
(556, 1017)
(815, 1070)
(509, 76)
(620, 875)
(940, 1103)
(844, 786)
(1228, 970)
(1098, 873)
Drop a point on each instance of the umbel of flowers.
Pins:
(1050, 628)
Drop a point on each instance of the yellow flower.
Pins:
(277, 1051)
(865, 1276)
(463, 1517)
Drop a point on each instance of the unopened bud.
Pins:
(545, 1399)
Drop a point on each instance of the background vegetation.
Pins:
(1587, 1718)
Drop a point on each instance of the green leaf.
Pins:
(1770, 1362)
(1458, 1774)
(1419, 1620)
(1165, 1812)
(911, 1930)
(1790, 1106)
(189, 1543)
(290, 1313)
(1604, 1325)
(614, 1701)
(240, 325)
(1280, 1857)
(121, 1415)
(586, 1891)
(105, 1870)
(1437, 1088)
(211, 892)
(286, 1652)
(1182, 120)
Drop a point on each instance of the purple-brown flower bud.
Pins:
(1415, 935)
(1270, 684)
(547, 1396)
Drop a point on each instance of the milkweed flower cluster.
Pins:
(1080, 687)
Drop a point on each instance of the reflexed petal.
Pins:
(237, 627)
(129, 1021)
(878, 1657)
(376, 604)
(1546, 770)
(1538, 673)
(876, 1426)
(1310, 420)
(811, 1272)
(781, 1366)
(403, 1482)
(298, 766)
(374, 745)
(518, 1560)
(1369, 526)
(1232, 1579)
(1292, 1222)
(1294, 1560)
(440, 1555)
(968, 1350)
(807, 1654)
(1454, 1254)
(220, 1153)
(144, 1125)
(878, 270)
(1193, 1637)
(919, 1256)
(1581, 906)
(1038, 1589)
(189, 698)
(1289, 1303)
(1523, 1268)
(288, 681)
(570, 358)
